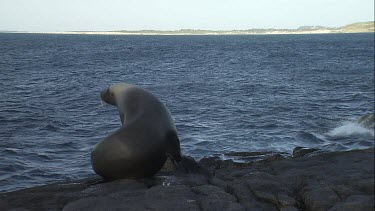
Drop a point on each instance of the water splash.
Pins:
(348, 129)
(102, 103)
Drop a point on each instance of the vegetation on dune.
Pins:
(359, 27)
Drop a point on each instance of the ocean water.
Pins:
(226, 93)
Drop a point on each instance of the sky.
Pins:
(108, 15)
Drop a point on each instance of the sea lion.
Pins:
(147, 137)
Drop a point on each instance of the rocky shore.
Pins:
(305, 181)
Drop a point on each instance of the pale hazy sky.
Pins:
(71, 15)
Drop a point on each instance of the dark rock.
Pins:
(274, 157)
(288, 208)
(155, 198)
(217, 163)
(212, 203)
(215, 198)
(168, 167)
(269, 188)
(216, 192)
(98, 203)
(179, 197)
(285, 200)
(114, 186)
(301, 151)
(3, 205)
(366, 185)
(342, 191)
(318, 197)
(355, 203)
(238, 173)
(250, 157)
(211, 161)
(246, 198)
(327, 181)
(248, 154)
(189, 165)
(193, 180)
(48, 197)
(219, 183)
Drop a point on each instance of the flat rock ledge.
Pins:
(327, 181)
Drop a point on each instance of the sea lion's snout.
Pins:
(107, 97)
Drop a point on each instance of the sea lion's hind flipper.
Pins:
(185, 164)
(173, 146)
(121, 117)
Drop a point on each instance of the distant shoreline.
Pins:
(363, 27)
(182, 34)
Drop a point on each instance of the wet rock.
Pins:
(250, 157)
(217, 163)
(213, 162)
(302, 151)
(248, 154)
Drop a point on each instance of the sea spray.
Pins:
(350, 129)
(102, 103)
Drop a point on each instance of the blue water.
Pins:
(226, 93)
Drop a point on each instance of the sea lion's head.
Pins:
(112, 93)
